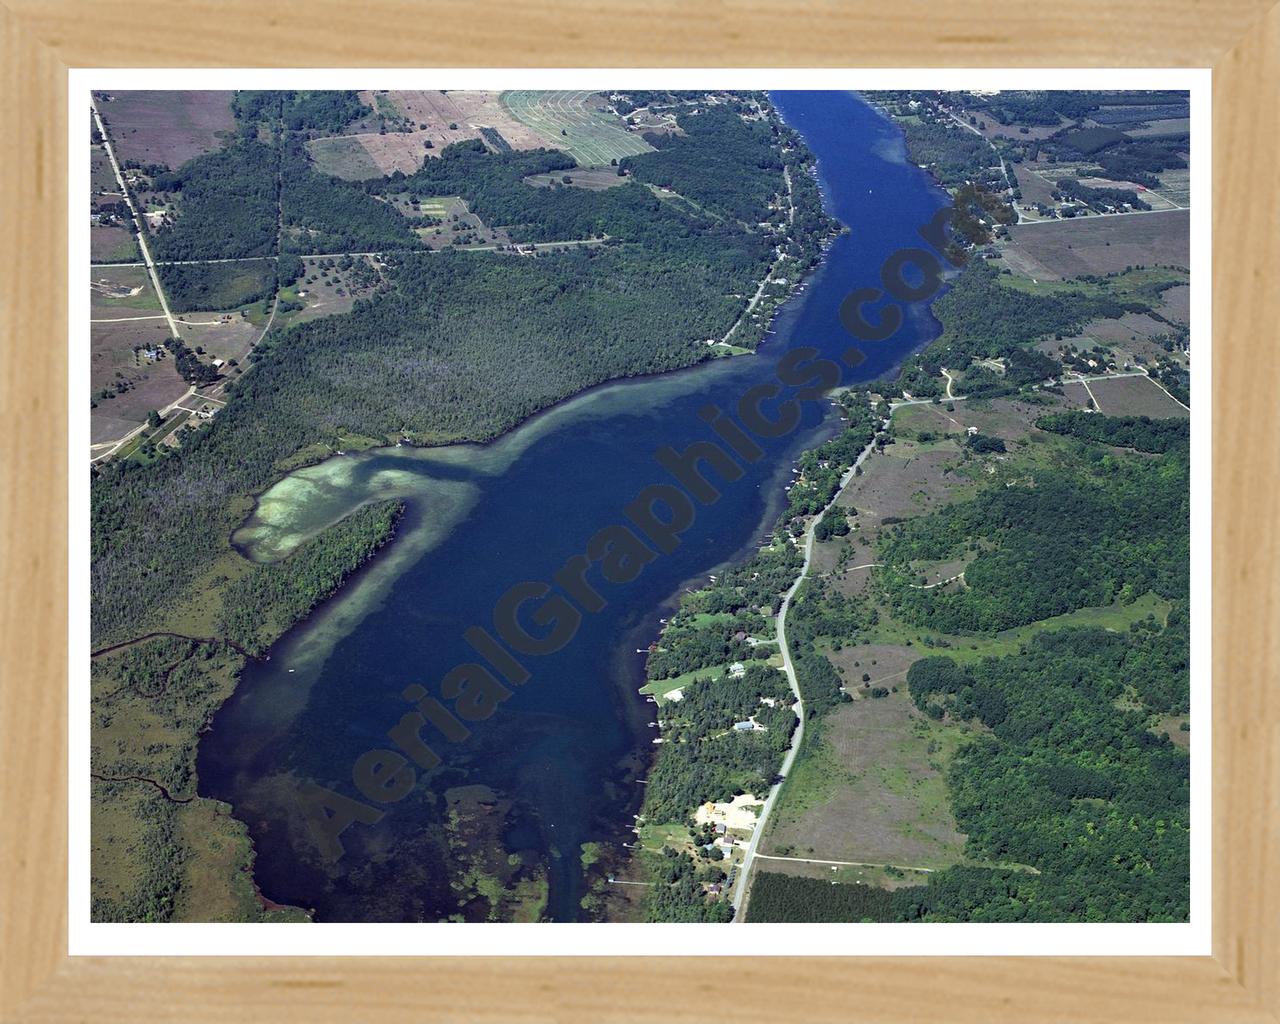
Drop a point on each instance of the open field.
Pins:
(121, 292)
(577, 123)
(137, 384)
(1177, 303)
(593, 179)
(166, 127)
(102, 179)
(432, 116)
(111, 244)
(1099, 245)
(870, 787)
(1168, 126)
(343, 156)
(321, 292)
(1134, 396)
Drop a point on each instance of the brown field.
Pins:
(1099, 245)
(370, 154)
(111, 244)
(485, 110)
(1035, 189)
(154, 385)
(166, 127)
(225, 340)
(872, 789)
(1177, 303)
(1169, 126)
(1135, 396)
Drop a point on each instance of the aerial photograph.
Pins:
(639, 506)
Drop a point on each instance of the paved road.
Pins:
(742, 882)
(137, 219)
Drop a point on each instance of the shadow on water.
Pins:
(556, 765)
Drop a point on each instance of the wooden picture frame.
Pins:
(1239, 39)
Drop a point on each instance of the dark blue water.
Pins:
(562, 755)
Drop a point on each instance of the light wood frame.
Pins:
(41, 39)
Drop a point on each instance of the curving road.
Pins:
(742, 881)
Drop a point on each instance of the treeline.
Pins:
(1072, 538)
(790, 898)
(1100, 198)
(821, 469)
(1070, 780)
(326, 110)
(259, 606)
(1141, 433)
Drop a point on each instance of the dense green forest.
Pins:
(726, 164)
(324, 214)
(257, 606)
(789, 898)
(326, 110)
(1070, 780)
(226, 207)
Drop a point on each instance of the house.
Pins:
(747, 726)
(737, 670)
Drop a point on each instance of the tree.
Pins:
(153, 419)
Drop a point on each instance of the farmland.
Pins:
(415, 125)
(153, 127)
(1135, 396)
(577, 123)
(1099, 245)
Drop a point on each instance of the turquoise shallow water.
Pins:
(566, 749)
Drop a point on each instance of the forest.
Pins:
(723, 163)
(257, 607)
(1070, 780)
(226, 206)
(1072, 538)
(325, 110)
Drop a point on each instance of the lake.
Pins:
(558, 764)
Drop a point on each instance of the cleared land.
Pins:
(110, 244)
(577, 123)
(593, 179)
(1099, 245)
(1135, 396)
(871, 789)
(431, 116)
(166, 127)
